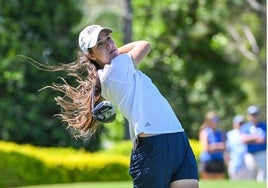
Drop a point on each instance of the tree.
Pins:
(127, 31)
(248, 35)
(205, 55)
(43, 31)
(192, 47)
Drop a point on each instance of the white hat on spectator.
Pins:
(253, 110)
(238, 119)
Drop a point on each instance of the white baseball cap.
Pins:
(88, 37)
(238, 119)
(253, 110)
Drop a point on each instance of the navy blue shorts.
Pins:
(161, 159)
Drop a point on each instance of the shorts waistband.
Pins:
(157, 136)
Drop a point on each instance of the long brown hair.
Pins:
(75, 103)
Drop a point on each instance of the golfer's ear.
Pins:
(91, 56)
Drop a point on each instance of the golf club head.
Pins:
(104, 112)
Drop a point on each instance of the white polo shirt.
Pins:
(137, 98)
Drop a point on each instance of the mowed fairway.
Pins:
(203, 184)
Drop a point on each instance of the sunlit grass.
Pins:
(203, 184)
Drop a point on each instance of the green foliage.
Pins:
(114, 131)
(121, 148)
(28, 165)
(205, 55)
(48, 33)
(193, 47)
(43, 31)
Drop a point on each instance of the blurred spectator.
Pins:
(254, 134)
(212, 141)
(236, 150)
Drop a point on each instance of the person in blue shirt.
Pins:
(212, 140)
(254, 134)
(236, 151)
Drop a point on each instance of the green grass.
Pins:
(203, 184)
(87, 185)
(231, 184)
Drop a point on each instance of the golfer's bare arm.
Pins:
(138, 50)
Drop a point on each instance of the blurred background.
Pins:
(206, 55)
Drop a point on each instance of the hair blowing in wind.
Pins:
(75, 100)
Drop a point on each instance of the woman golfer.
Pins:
(161, 155)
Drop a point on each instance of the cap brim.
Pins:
(95, 35)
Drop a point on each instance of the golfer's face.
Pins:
(105, 49)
